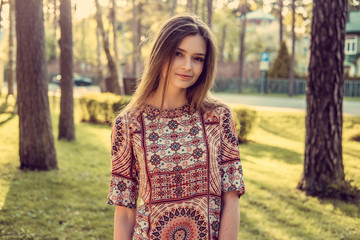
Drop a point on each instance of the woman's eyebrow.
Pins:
(198, 54)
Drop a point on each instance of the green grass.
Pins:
(70, 203)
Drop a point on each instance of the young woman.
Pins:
(174, 147)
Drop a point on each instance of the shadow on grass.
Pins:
(258, 150)
(290, 210)
(69, 203)
(11, 116)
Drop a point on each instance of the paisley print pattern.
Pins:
(179, 163)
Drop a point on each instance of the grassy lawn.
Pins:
(70, 203)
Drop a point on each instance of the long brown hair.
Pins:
(164, 47)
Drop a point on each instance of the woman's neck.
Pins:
(173, 98)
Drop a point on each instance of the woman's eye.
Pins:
(178, 54)
(198, 59)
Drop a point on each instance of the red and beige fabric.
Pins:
(179, 166)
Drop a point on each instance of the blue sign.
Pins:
(264, 56)
(264, 61)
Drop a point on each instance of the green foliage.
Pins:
(51, 45)
(84, 44)
(244, 122)
(280, 68)
(101, 107)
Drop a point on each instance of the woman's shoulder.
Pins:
(128, 116)
(217, 108)
(216, 112)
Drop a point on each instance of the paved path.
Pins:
(295, 103)
(266, 102)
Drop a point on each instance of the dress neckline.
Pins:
(167, 113)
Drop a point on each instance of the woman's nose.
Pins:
(187, 65)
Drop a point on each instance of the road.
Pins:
(351, 107)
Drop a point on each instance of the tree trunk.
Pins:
(189, 5)
(292, 63)
(117, 61)
(112, 85)
(12, 57)
(203, 10)
(100, 77)
(36, 141)
(280, 22)
(1, 60)
(196, 10)
(66, 120)
(323, 164)
(242, 8)
(209, 11)
(55, 26)
(83, 50)
(222, 44)
(139, 34)
(134, 32)
(173, 7)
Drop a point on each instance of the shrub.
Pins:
(280, 68)
(101, 107)
(356, 137)
(244, 121)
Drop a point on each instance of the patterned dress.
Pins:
(179, 166)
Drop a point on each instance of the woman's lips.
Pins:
(184, 76)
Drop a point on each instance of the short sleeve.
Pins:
(123, 185)
(231, 167)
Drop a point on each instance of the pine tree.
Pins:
(281, 66)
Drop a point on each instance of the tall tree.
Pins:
(189, 5)
(12, 57)
(203, 7)
(116, 54)
(196, 9)
(55, 25)
(173, 7)
(135, 41)
(1, 60)
(112, 84)
(222, 43)
(292, 63)
(137, 11)
(209, 11)
(66, 119)
(242, 9)
(99, 65)
(323, 163)
(280, 22)
(36, 141)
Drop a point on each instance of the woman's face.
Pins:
(187, 63)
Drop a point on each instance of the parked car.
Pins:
(78, 80)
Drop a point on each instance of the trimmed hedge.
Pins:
(244, 121)
(356, 137)
(101, 107)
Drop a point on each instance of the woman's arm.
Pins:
(230, 217)
(124, 222)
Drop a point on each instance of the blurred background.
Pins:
(67, 67)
